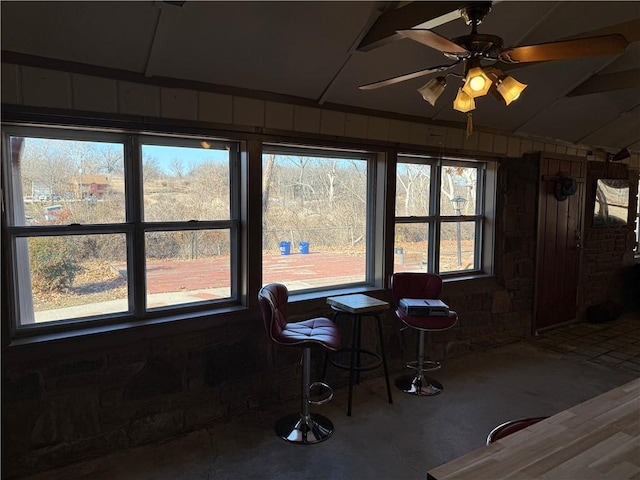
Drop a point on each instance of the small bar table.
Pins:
(357, 306)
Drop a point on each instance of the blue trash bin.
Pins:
(304, 247)
(285, 248)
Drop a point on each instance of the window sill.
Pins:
(322, 295)
(468, 277)
(122, 332)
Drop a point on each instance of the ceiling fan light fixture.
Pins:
(510, 89)
(433, 89)
(477, 83)
(463, 102)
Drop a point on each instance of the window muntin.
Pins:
(98, 226)
(446, 237)
(316, 217)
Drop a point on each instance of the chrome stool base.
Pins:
(419, 385)
(295, 428)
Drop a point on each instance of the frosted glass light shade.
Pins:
(433, 89)
(463, 102)
(477, 83)
(510, 89)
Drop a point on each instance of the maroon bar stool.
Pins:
(510, 427)
(304, 427)
(427, 286)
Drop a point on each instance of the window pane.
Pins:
(67, 277)
(412, 189)
(314, 221)
(187, 266)
(458, 190)
(66, 181)
(457, 246)
(185, 183)
(411, 247)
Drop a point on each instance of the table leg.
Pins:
(358, 320)
(352, 364)
(384, 358)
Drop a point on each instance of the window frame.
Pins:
(133, 227)
(483, 245)
(371, 277)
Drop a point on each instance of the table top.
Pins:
(358, 303)
(597, 439)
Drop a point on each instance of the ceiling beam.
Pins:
(607, 82)
(415, 14)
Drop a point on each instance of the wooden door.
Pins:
(558, 245)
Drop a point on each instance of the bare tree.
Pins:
(150, 168)
(412, 173)
(332, 181)
(110, 159)
(300, 186)
(267, 178)
(177, 167)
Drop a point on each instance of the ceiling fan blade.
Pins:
(433, 40)
(579, 48)
(630, 30)
(408, 76)
(608, 82)
(410, 15)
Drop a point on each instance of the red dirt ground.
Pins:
(188, 275)
(205, 273)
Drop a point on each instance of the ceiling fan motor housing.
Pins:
(474, 12)
(480, 45)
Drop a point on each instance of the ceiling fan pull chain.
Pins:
(469, 123)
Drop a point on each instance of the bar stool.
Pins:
(355, 307)
(510, 427)
(426, 286)
(303, 427)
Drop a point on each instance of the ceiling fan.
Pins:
(473, 49)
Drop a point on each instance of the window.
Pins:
(439, 232)
(105, 226)
(316, 217)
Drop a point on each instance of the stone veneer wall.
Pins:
(61, 404)
(498, 310)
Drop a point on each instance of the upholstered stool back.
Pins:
(415, 285)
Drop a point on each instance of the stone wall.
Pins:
(499, 309)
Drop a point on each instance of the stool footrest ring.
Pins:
(377, 360)
(427, 366)
(320, 386)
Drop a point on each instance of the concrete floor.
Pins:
(382, 441)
